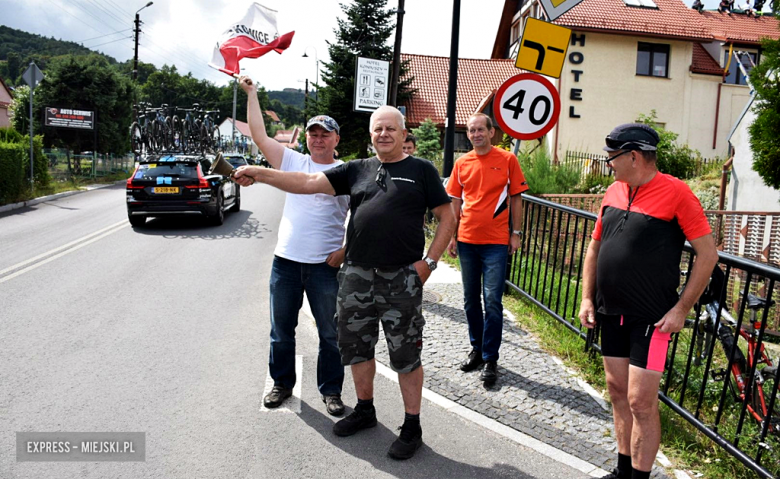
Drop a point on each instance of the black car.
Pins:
(178, 184)
(235, 159)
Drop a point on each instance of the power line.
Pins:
(88, 12)
(112, 41)
(107, 34)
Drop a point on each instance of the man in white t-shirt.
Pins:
(307, 258)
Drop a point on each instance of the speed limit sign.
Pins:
(526, 106)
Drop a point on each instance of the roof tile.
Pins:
(477, 79)
(703, 62)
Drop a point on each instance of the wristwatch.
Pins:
(517, 232)
(430, 262)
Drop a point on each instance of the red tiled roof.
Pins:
(242, 127)
(703, 62)
(283, 136)
(671, 19)
(272, 115)
(477, 79)
(739, 27)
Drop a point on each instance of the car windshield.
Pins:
(236, 161)
(151, 171)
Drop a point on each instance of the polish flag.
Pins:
(251, 37)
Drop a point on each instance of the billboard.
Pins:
(67, 118)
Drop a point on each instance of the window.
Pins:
(735, 76)
(652, 59)
(641, 3)
(515, 32)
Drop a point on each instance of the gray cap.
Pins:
(324, 121)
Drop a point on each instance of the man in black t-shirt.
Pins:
(383, 276)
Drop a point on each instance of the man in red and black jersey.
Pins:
(630, 280)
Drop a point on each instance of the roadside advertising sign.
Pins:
(371, 84)
(526, 106)
(556, 8)
(67, 118)
(543, 48)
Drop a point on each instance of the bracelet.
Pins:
(517, 232)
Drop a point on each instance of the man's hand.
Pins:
(247, 85)
(514, 243)
(246, 175)
(673, 321)
(336, 258)
(587, 313)
(452, 248)
(423, 271)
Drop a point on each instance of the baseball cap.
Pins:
(632, 136)
(324, 121)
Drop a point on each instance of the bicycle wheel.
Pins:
(176, 134)
(168, 133)
(203, 139)
(154, 136)
(770, 381)
(185, 137)
(136, 140)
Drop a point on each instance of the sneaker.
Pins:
(359, 419)
(489, 372)
(472, 362)
(276, 397)
(612, 475)
(333, 404)
(408, 442)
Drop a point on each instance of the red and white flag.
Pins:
(251, 37)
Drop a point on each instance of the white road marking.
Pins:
(68, 248)
(293, 403)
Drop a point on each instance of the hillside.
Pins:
(288, 96)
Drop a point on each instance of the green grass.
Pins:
(74, 184)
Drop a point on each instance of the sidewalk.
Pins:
(43, 199)
(534, 395)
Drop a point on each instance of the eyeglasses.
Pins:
(381, 174)
(612, 158)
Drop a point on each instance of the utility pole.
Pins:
(399, 26)
(452, 89)
(235, 89)
(137, 31)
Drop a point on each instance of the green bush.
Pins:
(545, 178)
(12, 159)
(673, 159)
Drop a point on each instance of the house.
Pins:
(288, 138)
(243, 141)
(478, 81)
(5, 103)
(629, 57)
(272, 117)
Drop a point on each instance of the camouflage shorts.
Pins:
(368, 295)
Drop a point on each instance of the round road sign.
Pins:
(526, 106)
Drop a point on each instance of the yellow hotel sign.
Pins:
(543, 48)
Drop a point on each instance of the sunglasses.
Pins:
(381, 175)
(609, 160)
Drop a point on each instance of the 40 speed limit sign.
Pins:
(526, 106)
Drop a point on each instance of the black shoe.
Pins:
(472, 362)
(489, 373)
(408, 442)
(359, 419)
(276, 397)
(333, 404)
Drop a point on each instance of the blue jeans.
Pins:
(483, 268)
(289, 279)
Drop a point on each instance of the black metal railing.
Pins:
(547, 270)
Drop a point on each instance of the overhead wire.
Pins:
(106, 35)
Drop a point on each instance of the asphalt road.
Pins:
(164, 330)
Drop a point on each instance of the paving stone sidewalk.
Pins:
(534, 394)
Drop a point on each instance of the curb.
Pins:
(43, 199)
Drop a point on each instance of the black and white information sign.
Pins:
(371, 84)
(527, 106)
(67, 118)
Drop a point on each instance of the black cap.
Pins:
(632, 136)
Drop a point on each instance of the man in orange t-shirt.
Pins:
(481, 185)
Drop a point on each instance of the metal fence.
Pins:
(65, 165)
(590, 164)
(547, 270)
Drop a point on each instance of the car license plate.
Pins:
(165, 190)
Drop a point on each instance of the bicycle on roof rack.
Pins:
(751, 375)
(157, 131)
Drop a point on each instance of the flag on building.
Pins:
(251, 37)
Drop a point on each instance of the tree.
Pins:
(764, 138)
(428, 143)
(364, 33)
(86, 83)
(671, 158)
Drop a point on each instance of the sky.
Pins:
(184, 32)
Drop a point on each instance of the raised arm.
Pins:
(272, 149)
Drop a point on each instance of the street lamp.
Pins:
(317, 64)
(235, 89)
(137, 31)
